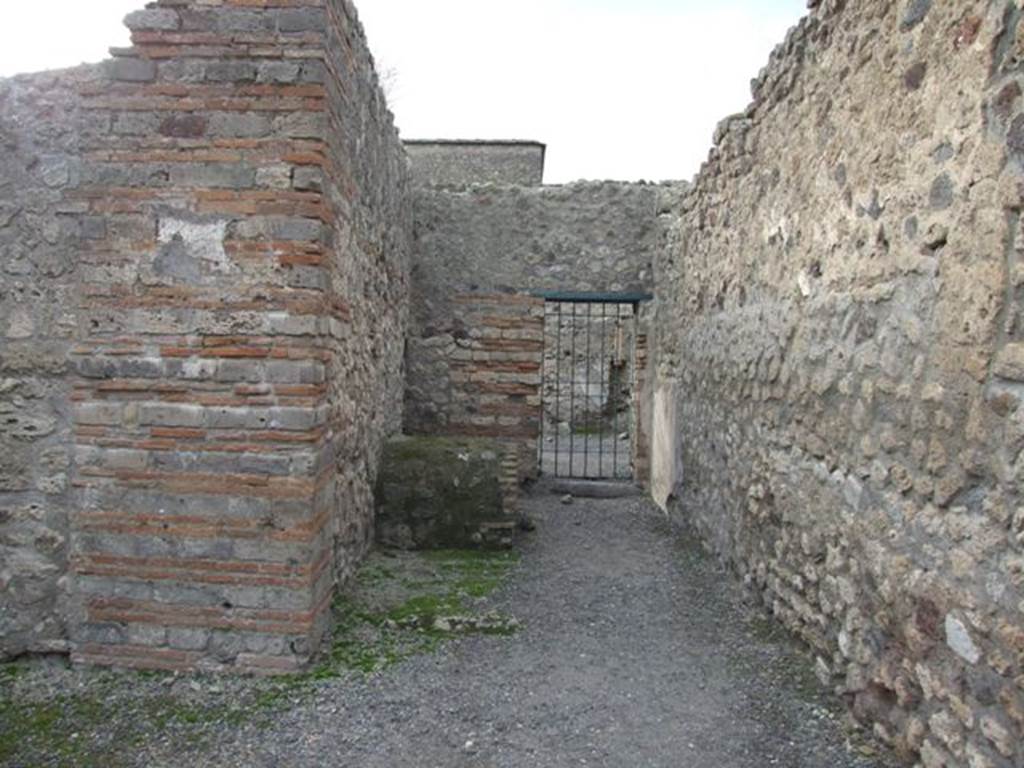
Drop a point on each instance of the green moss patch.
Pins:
(102, 720)
(400, 604)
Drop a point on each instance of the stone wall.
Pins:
(444, 493)
(242, 249)
(369, 282)
(460, 163)
(492, 241)
(39, 234)
(840, 341)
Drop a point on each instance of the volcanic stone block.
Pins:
(435, 493)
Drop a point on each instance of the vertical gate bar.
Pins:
(600, 397)
(543, 396)
(558, 379)
(572, 394)
(615, 395)
(634, 381)
(586, 400)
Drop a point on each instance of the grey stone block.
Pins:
(99, 414)
(314, 72)
(299, 419)
(239, 125)
(308, 178)
(279, 228)
(220, 463)
(242, 21)
(230, 71)
(171, 415)
(296, 229)
(279, 72)
(132, 70)
(124, 458)
(143, 367)
(94, 227)
(301, 20)
(314, 278)
(295, 372)
(145, 634)
(135, 123)
(239, 370)
(163, 19)
(188, 639)
(100, 633)
(302, 125)
(237, 418)
(213, 176)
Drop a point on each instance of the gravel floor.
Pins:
(636, 650)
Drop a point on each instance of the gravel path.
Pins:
(637, 650)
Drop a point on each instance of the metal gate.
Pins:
(588, 385)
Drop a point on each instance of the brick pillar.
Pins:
(203, 495)
(495, 373)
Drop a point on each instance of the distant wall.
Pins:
(839, 319)
(475, 350)
(238, 209)
(461, 163)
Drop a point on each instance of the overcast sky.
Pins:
(620, 89)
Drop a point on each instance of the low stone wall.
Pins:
(839, 329)
(444, 493)
(239, 199)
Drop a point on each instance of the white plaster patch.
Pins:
(804, 284)
(778, 232)
(666, 463)
(199, 369)
(958, 638)
(204, 240)
(20, 325)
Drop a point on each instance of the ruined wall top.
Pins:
(466, 162)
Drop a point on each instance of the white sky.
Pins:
(619, 89)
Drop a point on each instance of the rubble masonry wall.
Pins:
(839, 343)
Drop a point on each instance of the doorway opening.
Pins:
(588, 386)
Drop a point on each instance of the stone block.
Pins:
(163, 19)
(171, 415)
(279, 72)
(230, 71)
(242, 21)
(440, 492)
(236, 418)
(240, 370)
(308, 178)
(295, 372)
(99, 413)
(297, 419)
(1009, 362)
(214, 176)
(292, 20)
(132, 70)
